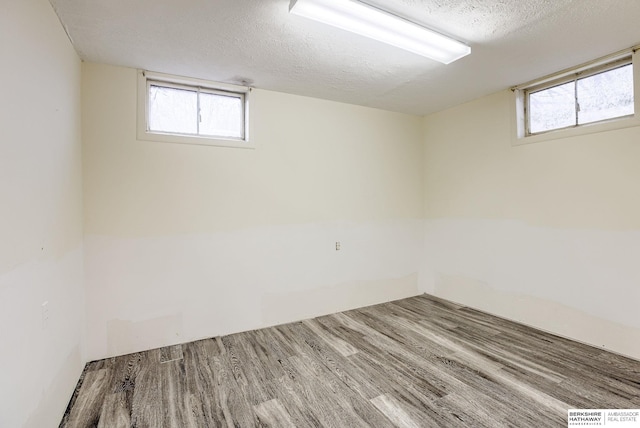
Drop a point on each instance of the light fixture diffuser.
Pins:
(369, 21)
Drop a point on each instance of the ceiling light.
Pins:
(366, 20)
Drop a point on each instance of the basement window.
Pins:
(182, 110)
(591, 98)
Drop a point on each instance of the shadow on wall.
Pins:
(543, 314)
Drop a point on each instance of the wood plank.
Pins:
(170, 353)
(393, 410)
(272, 414)
(116, 412)
(88, 406)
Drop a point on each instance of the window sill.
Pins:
(194, 139)
(586, 129)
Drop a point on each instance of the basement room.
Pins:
(320, 213)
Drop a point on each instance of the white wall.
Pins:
(41, 216)
(547, 233)
(184, 241)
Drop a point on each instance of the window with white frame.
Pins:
(182, 110)
(598, 93)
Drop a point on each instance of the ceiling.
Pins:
(257, 42)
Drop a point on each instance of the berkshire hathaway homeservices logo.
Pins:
(627, 418)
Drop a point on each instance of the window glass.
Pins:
(221, 115)
(605, 95)
(552, 108)
(173, 110)
(183, 110)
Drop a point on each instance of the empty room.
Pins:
(320, 213)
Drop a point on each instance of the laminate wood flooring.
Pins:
(417, 362)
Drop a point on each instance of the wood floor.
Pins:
(417, 362)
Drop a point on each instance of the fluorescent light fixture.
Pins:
(369, 21)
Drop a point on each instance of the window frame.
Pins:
(146, 79)
(520, 118)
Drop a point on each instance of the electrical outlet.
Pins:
(45, 315)
(337, 245)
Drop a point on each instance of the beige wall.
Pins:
(545, 233)
(187, 241)
(41, 212)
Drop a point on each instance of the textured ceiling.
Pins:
(258, 42)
